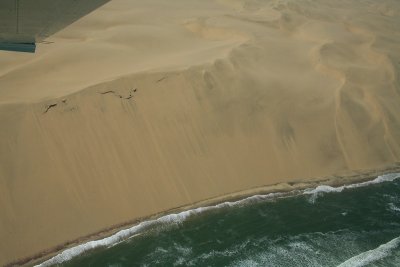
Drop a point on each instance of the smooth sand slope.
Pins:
(143, 106)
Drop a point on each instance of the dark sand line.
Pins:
(335, 180)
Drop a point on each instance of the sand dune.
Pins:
(143, 106)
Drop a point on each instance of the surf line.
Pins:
(176, 218)
(372, 255)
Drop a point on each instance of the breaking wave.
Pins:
(322, 189)
(174, 218)
(177, 218)
(373, 255)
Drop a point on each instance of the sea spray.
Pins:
(322, 189)
(70, 253)
(177, 218)
(373, 255)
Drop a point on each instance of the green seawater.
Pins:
(348, 227)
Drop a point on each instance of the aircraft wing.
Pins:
(25, 22)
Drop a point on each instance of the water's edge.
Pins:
(118, 233)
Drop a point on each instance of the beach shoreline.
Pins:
(286, 187)
(123, 117)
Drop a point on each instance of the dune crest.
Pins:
(129, 114)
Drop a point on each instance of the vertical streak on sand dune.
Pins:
(381, 60)
(343, 71)
(230, 95)
(338, 75)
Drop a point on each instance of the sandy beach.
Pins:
(145, 106)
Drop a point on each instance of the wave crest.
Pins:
(70, 253)
(373, 255)
(322, 189)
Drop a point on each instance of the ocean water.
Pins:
(356, 225)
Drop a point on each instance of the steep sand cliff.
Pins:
(143, 106)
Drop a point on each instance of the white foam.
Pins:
(373, 255)
(322, 189)
(393, 207)
(70, 253)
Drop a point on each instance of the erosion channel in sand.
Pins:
(144, 106)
